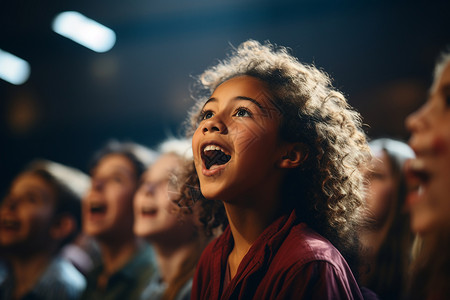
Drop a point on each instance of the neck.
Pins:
(246, 225)
(27, 271)
(371, 239)
(373, 236)
(116, 255)
(170, 258)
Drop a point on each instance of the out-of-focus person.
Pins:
(173, 230)
(126, 263)
(430, 205)
(387, 237)
(39, 215)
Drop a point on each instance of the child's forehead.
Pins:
(114, 162)
(244, 88)
(30, 183)
(243, 83)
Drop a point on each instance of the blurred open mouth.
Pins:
(418, 178)
(416, 172)
(148, 212)
(97, 209)
(9, 224)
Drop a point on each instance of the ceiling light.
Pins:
(13, 69)
(84, 31)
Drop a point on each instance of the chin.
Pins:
(421, 225)
(210, 192)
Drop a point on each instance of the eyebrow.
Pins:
(238, 98)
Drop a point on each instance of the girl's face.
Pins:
(382, 186)
(236, 145)
(108, 206)
(157, 217)
(26, 213)
(430, 140)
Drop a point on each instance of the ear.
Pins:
(62, 227)
(294, 155)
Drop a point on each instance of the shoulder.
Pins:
(64, 272)
(141, 266)
(310, 263)
(61, 280)
(303, 245)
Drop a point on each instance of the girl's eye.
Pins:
(242, 112)
(204, 115)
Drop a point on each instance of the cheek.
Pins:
(120, 197)
(138, 201)
(38, 221)
(379, 199)
(244, 136)
(196, 145)
(422, 218)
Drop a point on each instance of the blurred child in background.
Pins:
(387, 237)
(175, 233)
(430, 206)
(126, 262)
(40, 214)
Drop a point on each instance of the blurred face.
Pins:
(237, 141)
(108, 206)
(157, 217)
(430, 140)
(381, 187)
(26, 214)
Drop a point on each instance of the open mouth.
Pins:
(148, 211)
(214, 155)
(97, 208)
(10, 224)
(416, 172)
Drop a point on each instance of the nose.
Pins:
(97, 185)
(417, 121)
(95, 189)
(214, 124)
(149, 189)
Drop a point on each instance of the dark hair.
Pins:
(140, 156)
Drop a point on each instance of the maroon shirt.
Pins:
(288, 261)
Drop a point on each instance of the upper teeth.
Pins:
(212, 147)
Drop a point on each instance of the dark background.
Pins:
(380, 54)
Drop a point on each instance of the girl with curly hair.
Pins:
(282, 150)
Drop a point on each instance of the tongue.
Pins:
(216, 159)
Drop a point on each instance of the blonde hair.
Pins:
(327, 189)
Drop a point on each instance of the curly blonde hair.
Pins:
(327, 190)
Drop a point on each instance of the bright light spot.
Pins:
(84, 31)
(13, 69)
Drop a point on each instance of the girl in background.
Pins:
(126, 263)
(430, 206)
(387, 237)
(177, 236)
